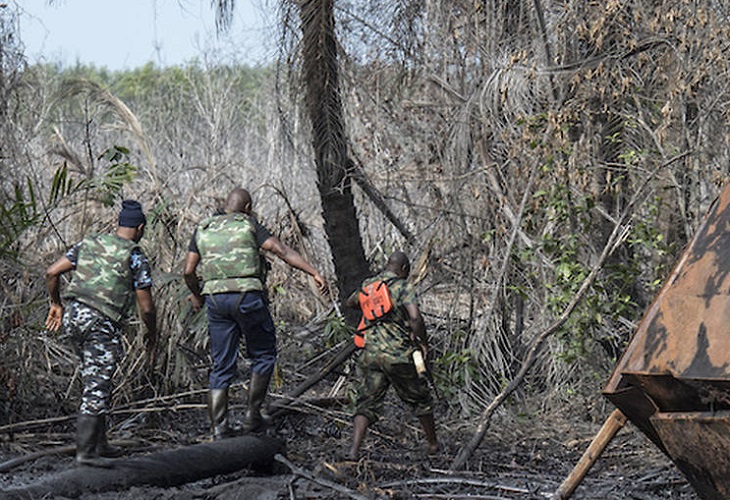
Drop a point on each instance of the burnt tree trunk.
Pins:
(334, 166)
(165, 469)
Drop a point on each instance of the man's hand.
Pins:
(55, 315)
(322, 286)
(196, 301)
(53, 273)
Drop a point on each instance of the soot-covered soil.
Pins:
(520, 458)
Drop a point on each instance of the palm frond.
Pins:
(223, 13)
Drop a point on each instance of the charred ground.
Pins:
(529, 449)
(522, 457)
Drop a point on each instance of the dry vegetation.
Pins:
(500, 143)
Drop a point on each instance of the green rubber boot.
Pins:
(258, 387)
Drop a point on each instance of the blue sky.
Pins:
(124, 34)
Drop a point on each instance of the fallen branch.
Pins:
(347, 350)
(31, 423)
(291, 404)
(9, 465)
(322, 355)
(322, 482)
(449, 496)
(314, 406)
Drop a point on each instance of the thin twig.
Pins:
(454, 480)
(322, 482)
(32, 423)
(450, 496)
(121, 409)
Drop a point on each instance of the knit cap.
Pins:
(131, 214)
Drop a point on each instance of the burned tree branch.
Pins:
(344, 354)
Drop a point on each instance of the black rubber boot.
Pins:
(87, 439)
(257, 389)
(103, 448)
(218, 409)
(429, 428)
(360, 427)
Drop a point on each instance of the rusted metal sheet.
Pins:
(699, 443)
(673, 380)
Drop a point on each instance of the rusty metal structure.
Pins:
(673, 380)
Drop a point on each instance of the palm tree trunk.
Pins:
(324, 107)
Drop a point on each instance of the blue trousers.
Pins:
(230, 316)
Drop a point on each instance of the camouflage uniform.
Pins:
(108, 270)
(232, 273)
(386, 357)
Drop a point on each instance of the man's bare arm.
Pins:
(53, 275)
(294, 259)
(148, 312)
(191, 280)
(418, 326)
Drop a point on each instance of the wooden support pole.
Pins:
(611, 426)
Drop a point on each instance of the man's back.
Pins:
(103, 277)
(229, 254)
(389, 336)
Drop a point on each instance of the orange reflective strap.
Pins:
(360, 334)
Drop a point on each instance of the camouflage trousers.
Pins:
(375, 377)
(97, 341)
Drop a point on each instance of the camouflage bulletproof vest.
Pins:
(103, 279)
(229, 254)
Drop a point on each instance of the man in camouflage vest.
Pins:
(111, 271)
(226, 246)
(387, 356)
